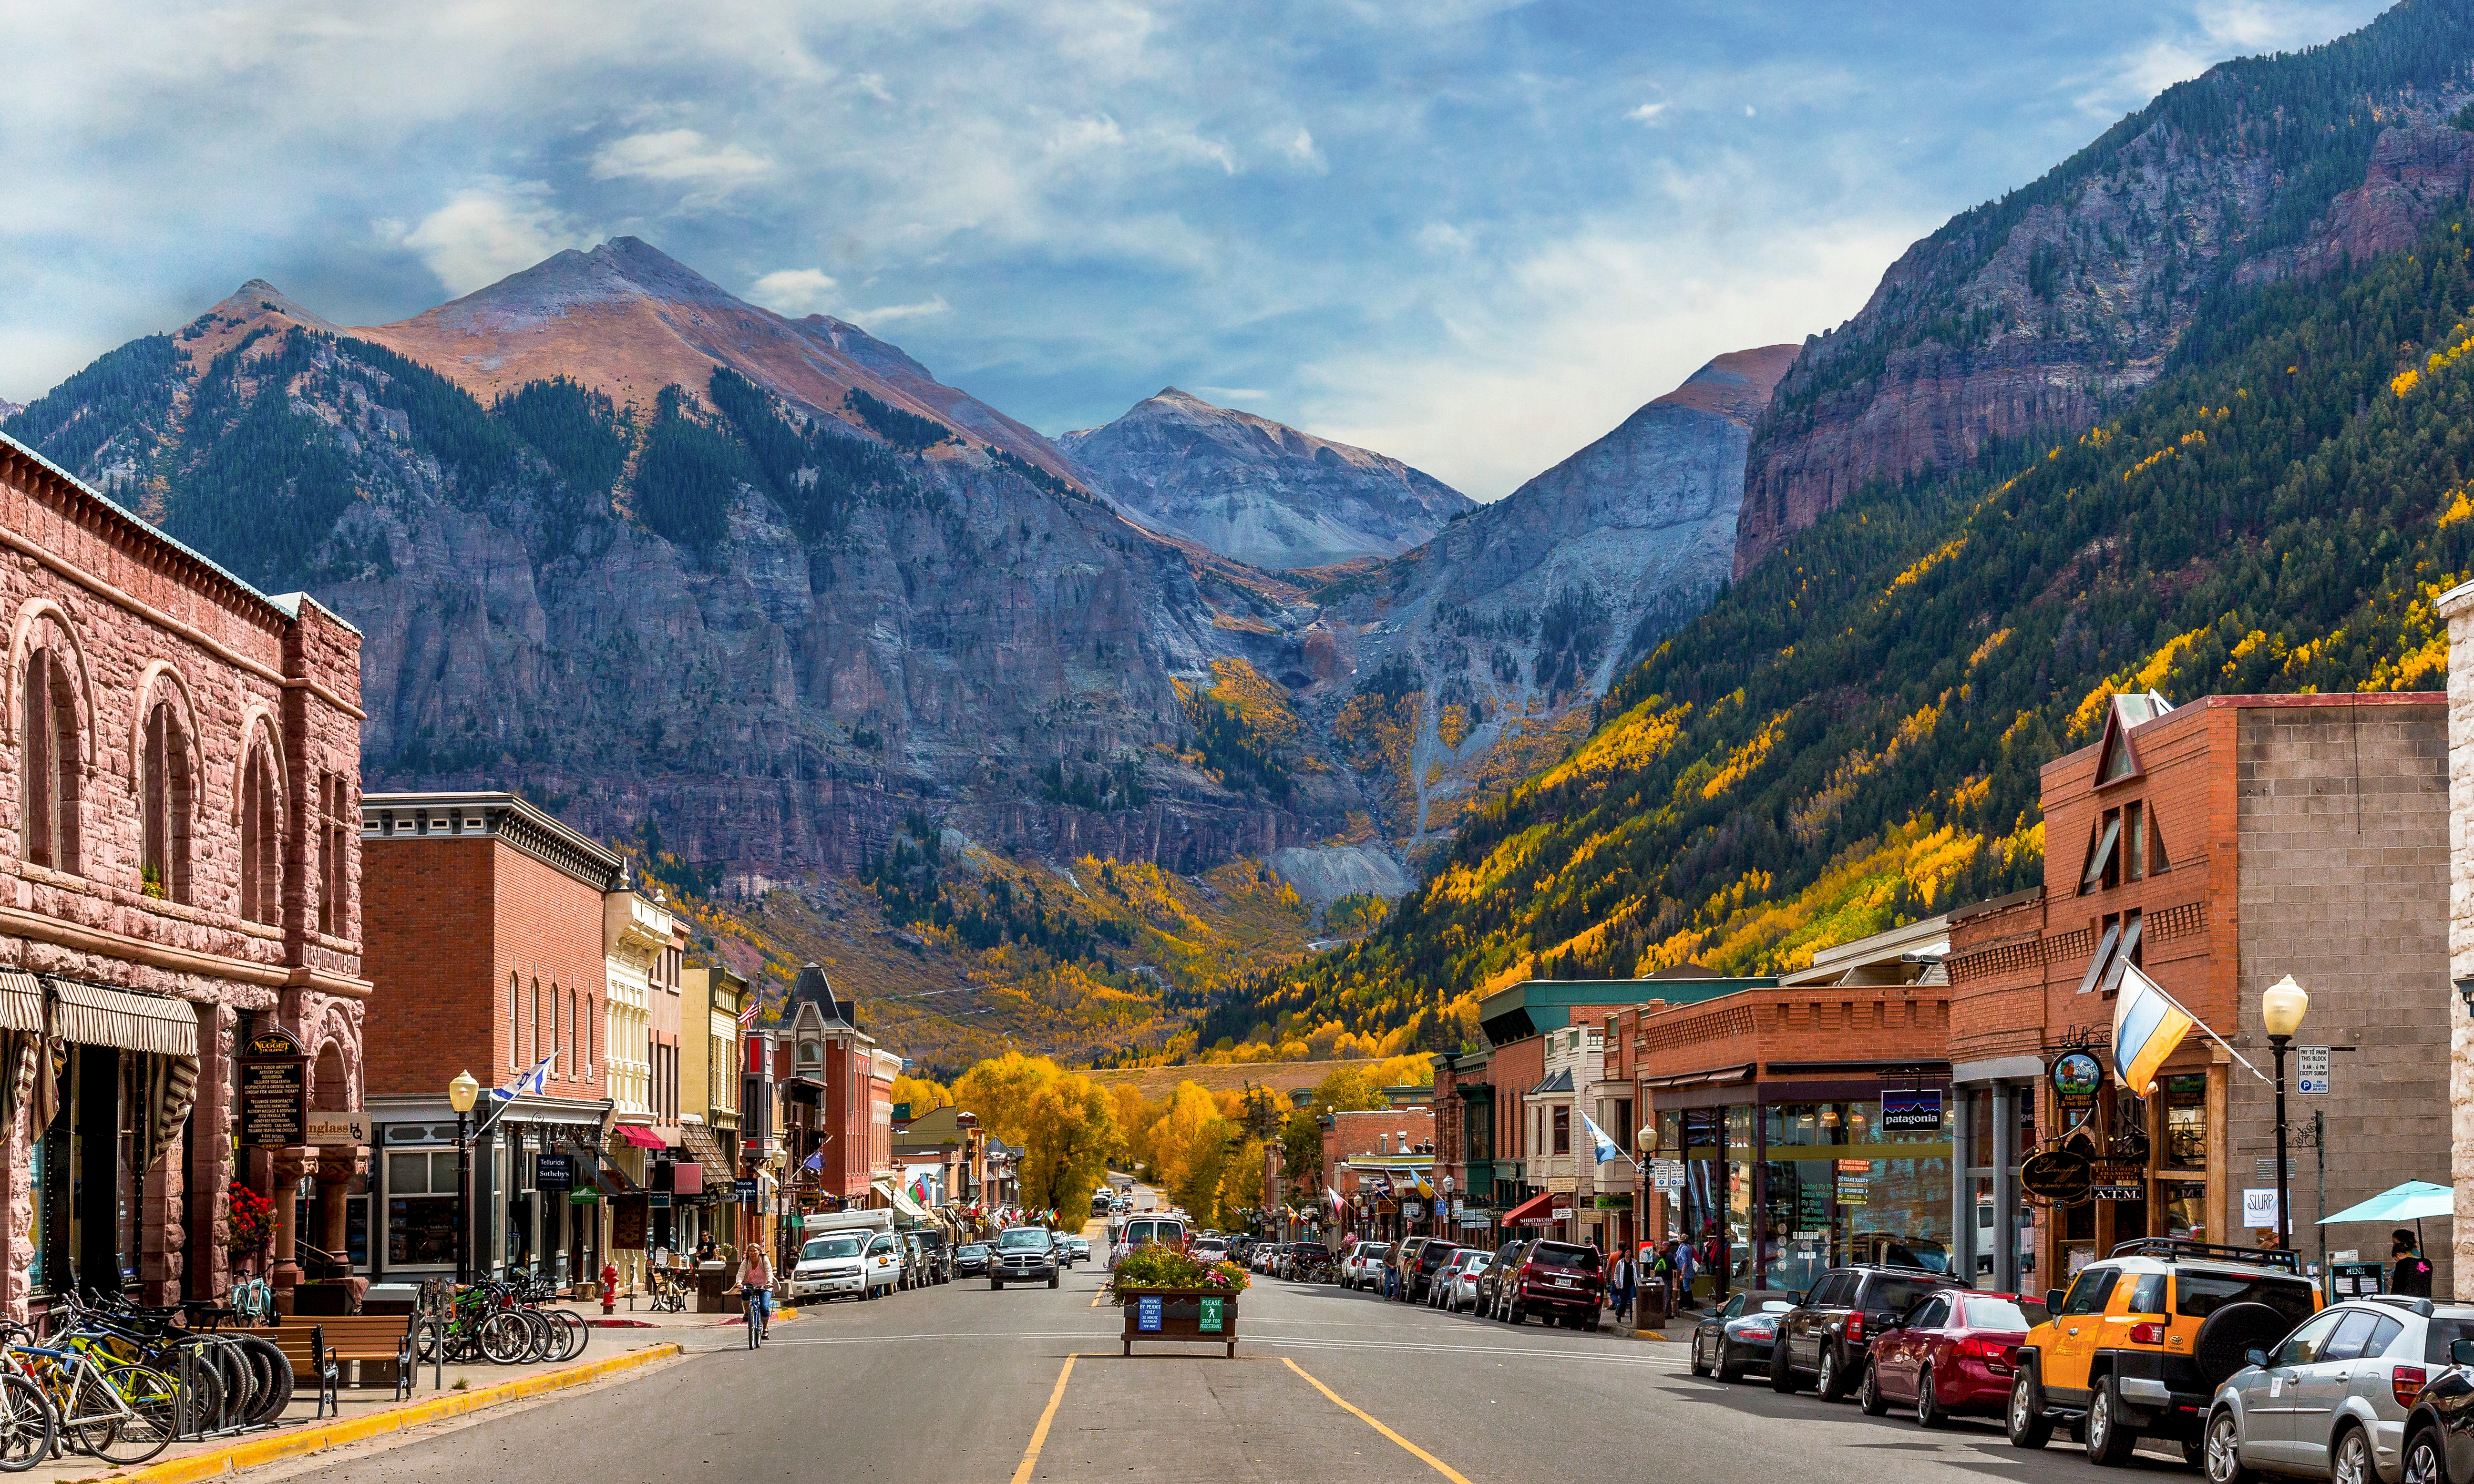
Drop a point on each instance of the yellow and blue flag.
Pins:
(2147, 1024)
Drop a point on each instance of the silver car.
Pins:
(2330, 1400)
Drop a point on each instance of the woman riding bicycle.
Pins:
(756, 1287)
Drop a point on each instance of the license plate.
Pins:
(1562, 1283)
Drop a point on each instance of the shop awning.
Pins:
(1531, 1212)
(21, 1002)
(638, 1134)
(94, 1015)
(701, 1142)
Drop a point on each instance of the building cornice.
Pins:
(504, 817)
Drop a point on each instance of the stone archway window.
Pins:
(49, 830)
(168, 798)
(334, 874)
(261, 837)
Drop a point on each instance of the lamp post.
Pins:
(2280, 1011)
(460, 1094)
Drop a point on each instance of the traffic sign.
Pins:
(2312, 1070)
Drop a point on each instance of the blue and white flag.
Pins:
(1606, 1148)
(815, 1161)
(534, 1082)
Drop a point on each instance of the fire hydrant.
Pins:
(609, 1288)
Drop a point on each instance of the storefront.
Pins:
(526, 1167)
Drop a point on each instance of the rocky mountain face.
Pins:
(2039, 313)
(1256, 490)
(1454, 672)
(665, 559)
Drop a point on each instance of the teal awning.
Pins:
(2412, 1201)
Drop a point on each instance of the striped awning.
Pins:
(21, 1002)
(94, 1015)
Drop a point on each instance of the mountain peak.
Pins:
(258, 297)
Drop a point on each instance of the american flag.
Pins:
(749, 1012)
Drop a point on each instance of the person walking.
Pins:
(1619, 1287)
(2410, 1273)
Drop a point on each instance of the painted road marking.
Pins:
(1302, 1342)
(1039, 1434)
(1429, 1459)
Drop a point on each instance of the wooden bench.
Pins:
(320, 1347)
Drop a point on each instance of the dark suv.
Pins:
(1431, 1258)
(1559, 1281)
(1403, 1263)
(1830, 1333)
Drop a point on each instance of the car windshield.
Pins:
(834, 1247)
(1031, 1237)
(2003, 1314)
(1375, 1249)
(2199, 1295)
(973, 1249)
(1899, 1295)
(1563, 1254)
(1313, 1249)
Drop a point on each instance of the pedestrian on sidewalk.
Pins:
(707, 1250)
(2411, 1273)
(1619, 1287)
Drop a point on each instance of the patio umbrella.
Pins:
(2411, 1202)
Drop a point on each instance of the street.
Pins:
(960, 1383)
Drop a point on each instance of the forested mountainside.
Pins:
(2047, 310)
(1475, 658)
(1258, 491)
(1851, 735)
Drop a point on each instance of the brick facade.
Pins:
(164, 695)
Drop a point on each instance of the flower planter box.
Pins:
(1182, 1317)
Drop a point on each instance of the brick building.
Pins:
(713, 995)
(485, 921)
(2219, 846)
(183, 754)
(1374, 1158)
(837, 1092)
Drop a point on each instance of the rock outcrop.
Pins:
(1255, 490)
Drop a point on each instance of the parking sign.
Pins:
(2312, 1069)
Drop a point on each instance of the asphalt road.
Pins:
(953, 1384)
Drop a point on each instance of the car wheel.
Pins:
(1730, 1369)
(1699, 1367)
(1052, 1280)
(2424, 1461)
(1781, 1373)
(2025, 1418)
(1515, 1316)
(2222, 1461)
(1928, 1412)
(1868, 1391)
(1833, 1380)
(2349, 1462)
(2109, 1442)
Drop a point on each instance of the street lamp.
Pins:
(460, 1094)
(2281, 1010)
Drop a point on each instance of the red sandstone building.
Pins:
(182, 762)
(2219, 846)
(837, 1091)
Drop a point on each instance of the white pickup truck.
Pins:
(852, 1254)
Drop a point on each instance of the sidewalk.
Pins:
(367, 1411)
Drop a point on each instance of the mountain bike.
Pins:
(757, 1312)
(122, 1414)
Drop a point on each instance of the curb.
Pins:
(319, 1438)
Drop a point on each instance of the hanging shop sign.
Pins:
(2078, 1077)
(274, 1091)
(2118, 1179)
(661, 1199)
(1910, 1109)
(1619, 1201)
(554, 1172)
(351, 1128)
(2063, 1175)
(746, 1189)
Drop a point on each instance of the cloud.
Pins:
(488, 231)
(1233, 393)
(1647, 113)
(680, 157)
(891, 313)
(798, 291)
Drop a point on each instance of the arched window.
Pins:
(261, 837)
(49, 828)
(592, 1028)
(334, 873)
(537, 1040)
(166, 795)
(515, 1021)
(574, 1036)
(557, 1047)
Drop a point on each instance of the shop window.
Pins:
(48, 833)
(167, 797)
(2186, 1121)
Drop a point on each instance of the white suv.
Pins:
(1363, 1267)
(829, 1267)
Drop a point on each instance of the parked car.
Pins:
(1830, 1332)
(1495, 1285)
(1363, 1267)
(1432, 1259)
(1209, 1249)
(1559, 1281)
(1465, 1283)
(2440, 1429)
(884, 1265)
(1024, 1255)
(1948, 1357)
(971, 1259)
(1303, 1258)
(1081, 1247)
(830, 1267)
(1739, 1335)
(1444, 1289)
(1402, 1263)
(2144, 1339)
(1140, 1230)
(2340, 1396)
(1064, 1248)
(1260, 1259)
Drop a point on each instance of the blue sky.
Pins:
(1471, 234)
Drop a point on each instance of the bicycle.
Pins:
(759, 1312)
(122, 1414)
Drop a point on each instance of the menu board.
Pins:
(274, 1101)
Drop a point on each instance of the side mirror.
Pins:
(2052, 1300)
(2461, 1352)
(2259, 1358)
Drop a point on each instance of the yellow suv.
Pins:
(2141, 1340)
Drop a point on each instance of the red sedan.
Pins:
(1950, 1354)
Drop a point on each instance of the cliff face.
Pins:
(1256, 490)
(2036, 314)
(1476, 657)
(748, 619)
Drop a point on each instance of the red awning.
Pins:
(640, 1136)
(1531, 1212)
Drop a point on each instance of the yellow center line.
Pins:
(1039, 1434)
(1429, 1459)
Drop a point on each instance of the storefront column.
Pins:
(2005, 1187)
(289, 1166)
(1963, 1158)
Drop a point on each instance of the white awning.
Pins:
(93, 1015)
(21, 1002)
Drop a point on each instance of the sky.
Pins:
(1468, 234)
